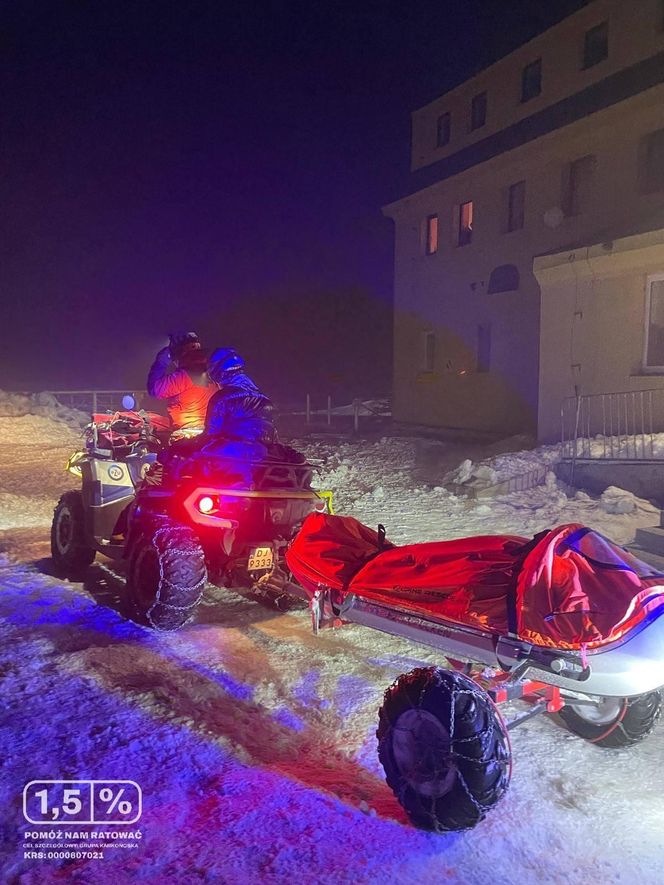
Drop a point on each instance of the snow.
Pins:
(253, 740)
(14, 405)
(627, 445)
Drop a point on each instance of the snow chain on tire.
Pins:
(174, 544)
(474, 767)
(634, 721)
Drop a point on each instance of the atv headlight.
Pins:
(206, 504)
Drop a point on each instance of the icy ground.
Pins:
(253, 740)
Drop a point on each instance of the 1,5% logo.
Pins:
(84, 802)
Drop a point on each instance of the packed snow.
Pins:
(253, 740)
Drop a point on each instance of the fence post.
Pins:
(94, 402)
(308, 409)
(356, 415)
(329, 411)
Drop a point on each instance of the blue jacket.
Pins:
(240, 411)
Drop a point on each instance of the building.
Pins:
(529, 256)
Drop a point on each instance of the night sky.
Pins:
(174, 164)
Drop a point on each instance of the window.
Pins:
(531, 80)
(483, 348)
(443, 130)
(431, 235)
(428, 351)
(651, 162)
(654, 344)
(516, 199)
(577, 185)
(478, 111)
(596, 45)
(504, 278)
(465, 235)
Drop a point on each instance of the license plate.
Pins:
(260, 558)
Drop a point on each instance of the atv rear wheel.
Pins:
(444, 748)
(70, 551)
(614, 722)
(166, 576)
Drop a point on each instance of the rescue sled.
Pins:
(567, 621)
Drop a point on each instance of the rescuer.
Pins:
(179, 375)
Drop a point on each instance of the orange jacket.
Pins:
(187, 393)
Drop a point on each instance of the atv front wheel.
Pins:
(70, 551)
(166, 576)
(444, 748)
(614, 722)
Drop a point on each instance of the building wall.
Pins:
(593, 321)
(636, 32)
(446, 292)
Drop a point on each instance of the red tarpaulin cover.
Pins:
(568, 587)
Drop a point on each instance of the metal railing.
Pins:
(613, 425)
(92, 400)
(352, 413)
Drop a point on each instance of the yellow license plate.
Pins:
(260, 558)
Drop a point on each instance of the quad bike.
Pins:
(228, 522)
(568, 622)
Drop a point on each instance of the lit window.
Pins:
(577, 186)
(465, 223)
(516, 199)
(483, 348)
(531, 80)
(596, 45)
(428, 351)
(654, 349)
(478, 111)
(651, 162)
(443, 130)
(431, 235)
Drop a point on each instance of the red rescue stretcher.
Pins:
(568, 621)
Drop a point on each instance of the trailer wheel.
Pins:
(70, 551)
(614, 722)
(166, 576)
(444, 748)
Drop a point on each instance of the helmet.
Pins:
(181, 342)
(222, 360)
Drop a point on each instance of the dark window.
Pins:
(651, 162)
(465, 223)
(431, 235)
(531, 80)
(504, 278)
(478, 111)
(483, 348)
(596, 45)
(654, 350)
(577, 185)
(443, 130)
(516, 199)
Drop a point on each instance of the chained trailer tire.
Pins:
(614, 722)
(444, 747)
(166, 576)
(70, 551)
